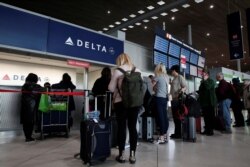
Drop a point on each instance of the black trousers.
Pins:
(177, 122)
(209, 117)
(237, 110)
(28, 129)
(124, 117)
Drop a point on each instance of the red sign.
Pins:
(183, 61)
(78, 63)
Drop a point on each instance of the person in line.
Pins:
(161, 93)
(246, 98)
(67, 84)
(100, 87)
(207, 99)
(178, 85)
(237, 105)
(124, 115)
(29, 104)
(47, 86)
(223, 96)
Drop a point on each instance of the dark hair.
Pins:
(66, 77)
(106, 72)
(33, 78)
(46, 84)
(236, 80)
(175, 68)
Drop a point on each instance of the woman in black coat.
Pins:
(29, 104)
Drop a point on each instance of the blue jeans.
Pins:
(162, 116)
(224, 108)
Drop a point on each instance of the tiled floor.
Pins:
(220, 150)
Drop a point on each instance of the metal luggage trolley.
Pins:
(56, 119)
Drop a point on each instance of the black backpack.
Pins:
(132, 88)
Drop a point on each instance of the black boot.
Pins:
(121, 157)
(132, 159)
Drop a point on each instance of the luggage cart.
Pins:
(56, 119)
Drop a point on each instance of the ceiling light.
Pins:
(130, 26)
(241, 26)
(105, 29)
(228, 65)
(208, 34)
(174, 10)
(198, 1)
(216, 61)
(172, 18)
(164, 14)
(141, 11)
(117, 22)
(124, 29)
(111, 26)
(138, 24)
(100, 31)
(245, 52)
(154, 17)
(145, 21)
(124, 19)
(160, 2)
(222, 55)
(205, 49)
(108, 12)
(245, 63)
(145, 27)
(186, 5)
(132, 15)
(211, 6)
(150, 7)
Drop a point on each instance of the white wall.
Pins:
(14, 73)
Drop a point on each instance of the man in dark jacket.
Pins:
(223, 96)
(29, 104)
(207, 99)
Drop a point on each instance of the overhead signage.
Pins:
(248, 25)
(73, 41)
(183, 62)
(78, 63)
(235, 36)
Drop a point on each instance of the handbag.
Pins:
(44, 103)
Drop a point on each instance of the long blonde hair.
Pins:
(123, 59)
(160, 69)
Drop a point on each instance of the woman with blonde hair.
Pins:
(161, 93)
(124, 115)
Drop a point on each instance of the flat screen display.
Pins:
(160, 58)
(186, 53)
(199, 72)
(187, 70)
(194, 58)
(161, 44)
(193, 70)
(173, 61)
(201, 61)
(174, 50)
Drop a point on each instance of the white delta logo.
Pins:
(86, 44)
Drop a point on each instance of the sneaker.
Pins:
(121, 158)
(132, 159)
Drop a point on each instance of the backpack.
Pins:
(132, 91)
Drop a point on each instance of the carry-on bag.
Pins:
(95, 136)
(189, 129)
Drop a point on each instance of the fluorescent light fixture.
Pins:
(198, 1)
(205, 49)
(117, 22)
(222, 55)
(208, 34)
(174, 10)
(145, 21)
(154, 17)
(124, 19)
(150, 7)
(172, 18)
(105, 29)
(186, 5)
(141, 11)
(132, 15)
(108, 12)
(145, 27)
(100, 31)
(138, 24)
(111, 26)
(124, 29)
(160, 2)
(130, 26)
(164, 14)
(216, 61)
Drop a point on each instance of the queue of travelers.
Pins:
(210, 98)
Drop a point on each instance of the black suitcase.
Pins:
(148, 128)
(96, 136)
(189, 129)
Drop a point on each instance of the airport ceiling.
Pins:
(207, 18)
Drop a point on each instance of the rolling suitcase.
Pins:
(148, 128)
(95, 137)
(189, 129)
